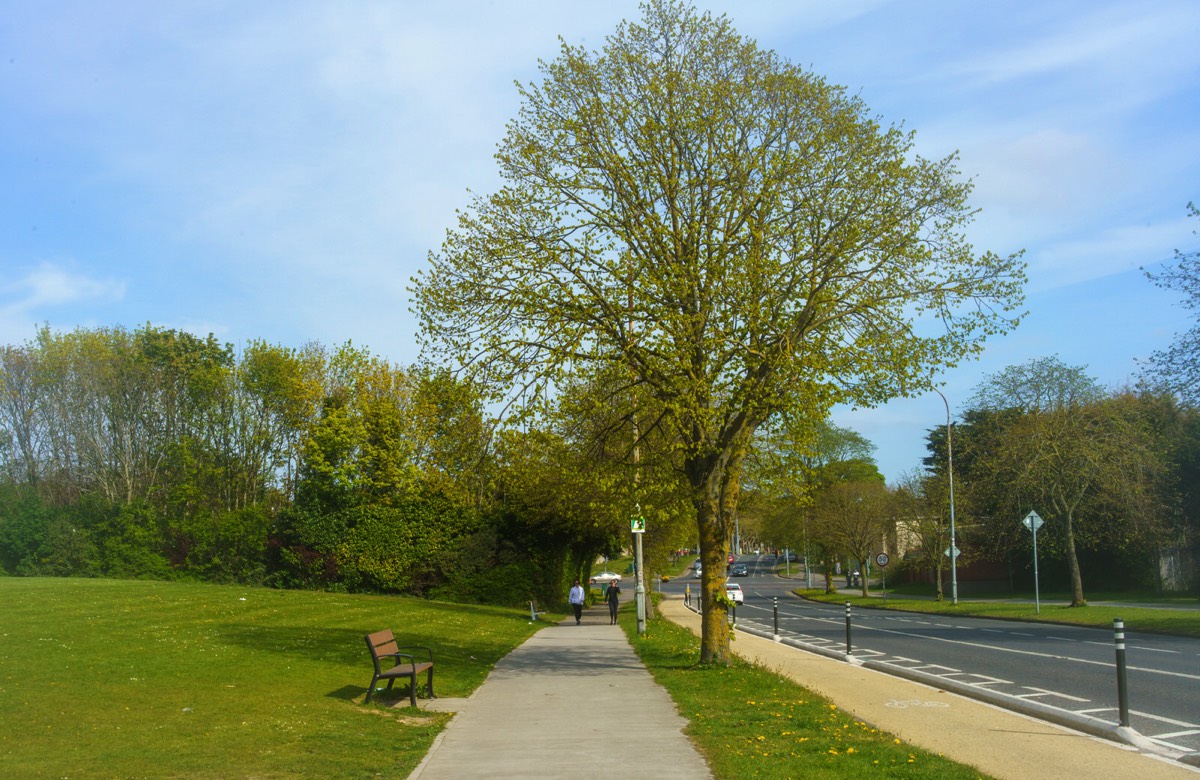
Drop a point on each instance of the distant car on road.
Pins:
(739, 570)
(697, 574)
(734, 592)
(605, 577)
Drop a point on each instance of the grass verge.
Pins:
(1180, 622)
(753, 723)
(114, 678)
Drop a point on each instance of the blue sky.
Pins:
(279, 170)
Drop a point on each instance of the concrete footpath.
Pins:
(571, 702)
(562, 705)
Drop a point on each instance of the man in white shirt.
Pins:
(575, 597)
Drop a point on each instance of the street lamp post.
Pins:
(950, 476)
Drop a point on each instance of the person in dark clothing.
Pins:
(612, 596)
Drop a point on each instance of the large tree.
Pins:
(1067, 452)
(736, 235)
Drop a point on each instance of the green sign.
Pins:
(637, 525)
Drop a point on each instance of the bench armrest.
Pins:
(427, 651)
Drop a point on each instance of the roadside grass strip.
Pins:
(117, 678)
(751, 722)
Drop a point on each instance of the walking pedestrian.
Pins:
(612, 596)
(575, 597)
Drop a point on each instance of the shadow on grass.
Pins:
(330, 645)
(348, 692)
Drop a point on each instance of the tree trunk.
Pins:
(715, 633)
(1077, 599)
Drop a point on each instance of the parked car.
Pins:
(697, 573)
(739, 570)
(605, 577)
(734, 592)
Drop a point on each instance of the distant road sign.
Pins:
(1032, 521)
(952, 552)
(637, 525)
(882, 559)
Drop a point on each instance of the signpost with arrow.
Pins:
(1033, 522)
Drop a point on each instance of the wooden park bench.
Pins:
(534, 612)
(382, 645)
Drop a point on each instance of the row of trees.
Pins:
(155, 453)
(1116, 475)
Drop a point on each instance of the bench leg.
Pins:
(371, 689)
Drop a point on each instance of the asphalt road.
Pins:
(1066, 667)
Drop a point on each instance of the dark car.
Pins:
(739, 570)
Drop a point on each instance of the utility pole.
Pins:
(950, 476)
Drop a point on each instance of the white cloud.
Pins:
(35, 295)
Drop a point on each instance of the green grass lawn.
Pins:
(1182, 622)
(125, 679)
(750, 722)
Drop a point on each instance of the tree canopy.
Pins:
(736, 235)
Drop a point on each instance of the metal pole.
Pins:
(848, 628)
(1122, 688)
(641, 585)
(1037, 598)
(950, 477)
(775, 609)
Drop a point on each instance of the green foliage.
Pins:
(1089, 463)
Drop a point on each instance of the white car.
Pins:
(605, 577)
(734, 592)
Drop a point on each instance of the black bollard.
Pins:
(848, 652)
(1122, 687)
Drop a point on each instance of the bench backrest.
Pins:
(381, 643)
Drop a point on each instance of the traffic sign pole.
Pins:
(882, 559)
(1033, 522)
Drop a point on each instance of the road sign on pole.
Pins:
(952, 552)
(637, 525)
(1033, 522)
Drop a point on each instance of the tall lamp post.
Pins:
(950, 476)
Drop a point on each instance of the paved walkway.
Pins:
(571, 702)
